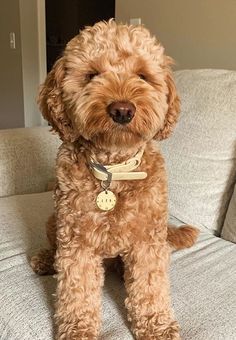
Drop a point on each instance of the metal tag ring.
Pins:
(105, 184)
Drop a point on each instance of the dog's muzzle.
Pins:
(121, 112)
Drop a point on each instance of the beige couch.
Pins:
(201, 162)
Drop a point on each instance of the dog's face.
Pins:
(113, 86)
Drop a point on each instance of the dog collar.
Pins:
(118, 172)
(106, 200)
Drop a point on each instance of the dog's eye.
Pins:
(142, 76)
(91, 75)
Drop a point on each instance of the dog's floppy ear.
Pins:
(173, 104)
(51, 103)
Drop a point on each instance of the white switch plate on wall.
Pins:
(135, 21)
(12, 40)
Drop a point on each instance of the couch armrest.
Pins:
(27, 160)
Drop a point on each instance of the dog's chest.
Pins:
(133, 218)
(140, 206)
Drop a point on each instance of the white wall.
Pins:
(32, 61)
(24, 68)
(196, 33)
(11, 88)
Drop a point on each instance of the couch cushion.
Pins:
(27, 160)
(201, 154)
(229, 228)
(203, 283)
(25, 299)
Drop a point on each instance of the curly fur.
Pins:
(103, 64)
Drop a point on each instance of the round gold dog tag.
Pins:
(106, 200)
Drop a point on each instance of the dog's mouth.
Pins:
(117, 124)
(118, 136)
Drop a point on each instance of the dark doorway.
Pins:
(64, 19)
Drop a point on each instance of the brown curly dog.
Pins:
(109, 97)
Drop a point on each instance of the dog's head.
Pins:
(113, 86)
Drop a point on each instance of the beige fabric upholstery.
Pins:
(27, 160)
(229, 228)
(201, 165)
(203, 281)
(201, 154)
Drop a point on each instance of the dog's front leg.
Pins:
(80, 279)
(148, 301)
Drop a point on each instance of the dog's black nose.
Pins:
(121, 112)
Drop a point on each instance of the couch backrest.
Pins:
(27, 160)
(201, 154)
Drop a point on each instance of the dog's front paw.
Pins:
(155, 330)
(72, 333)
(170, 333)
